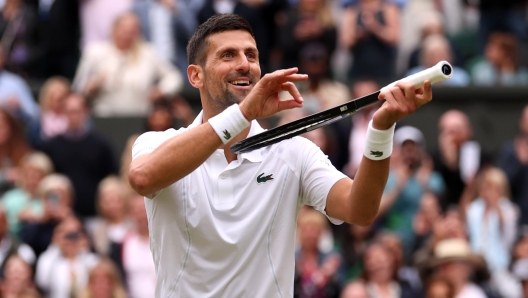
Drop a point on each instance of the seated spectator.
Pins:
(160, 118)
(455, 262)
(104, 281)
(458, 158)
(499, 66)
(34, 167)
(513, 160)
(319, 92)
(492, 220)
(411, 175)
(17, 278)
(15, 95)
(355, 289)
(380, 274)
(304, 23)
(97, 18)
(439, 287)
(82, 155)
(371, 30)
(429, 214)
(56, 191)
(53, 121)
(316, 273)
(112, 224)
(18, 28)
(63, 269)
(11, 247)
(136, 256)
(119, 75)
(13, 148)
(436, 48)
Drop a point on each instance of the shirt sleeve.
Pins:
(149, 141)
(318, 175)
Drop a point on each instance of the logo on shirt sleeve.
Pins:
(263, 179)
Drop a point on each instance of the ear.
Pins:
(195, 75)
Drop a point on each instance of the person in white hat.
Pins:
(454, 261)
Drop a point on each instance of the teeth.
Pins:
(240, 82)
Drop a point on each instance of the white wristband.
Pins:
(229, 123)
(379, 143)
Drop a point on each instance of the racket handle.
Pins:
(440, 72)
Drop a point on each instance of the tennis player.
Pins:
(223, 225)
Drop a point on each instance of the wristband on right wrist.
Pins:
(378, 144)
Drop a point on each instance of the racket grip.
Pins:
(440, 72)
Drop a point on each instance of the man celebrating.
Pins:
(221, 224)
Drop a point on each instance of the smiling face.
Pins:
(231, 68)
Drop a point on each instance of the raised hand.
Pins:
(401, 100)
(263, 101)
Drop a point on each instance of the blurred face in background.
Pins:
(17, 274)
(439, 289)
(160, 119)
(411, 154)
(69, 237)
(76, 112)
(493, 186)
(309, 235)
(454, 126)
(126, 32)
(31, 177)
(379, 264)
(355, 289)
(456, 271)
(56, 94)
(112, 203)
(101, 283)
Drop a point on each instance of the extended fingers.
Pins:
(292, 89)
(284, 75)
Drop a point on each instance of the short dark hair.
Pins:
(198, 45)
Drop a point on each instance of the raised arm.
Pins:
(183, 153)
(358, 201)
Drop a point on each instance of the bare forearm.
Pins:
(173, 160)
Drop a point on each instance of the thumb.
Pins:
(289, 104)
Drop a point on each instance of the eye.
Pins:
(227, 55)
(251, 56)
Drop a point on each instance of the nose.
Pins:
(243, 63)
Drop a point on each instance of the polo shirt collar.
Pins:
(252, 156)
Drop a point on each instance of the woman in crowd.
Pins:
(123, 76)
(492, 220)
(17, 279)
(13, 148)
(52, 120)
(307, 22)
(104, 281)
(110, 228)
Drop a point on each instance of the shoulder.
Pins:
(149, 141)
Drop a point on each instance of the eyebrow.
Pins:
(232, 49)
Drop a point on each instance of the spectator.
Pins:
(439, 287)
(82, 155)
(15, 96)
(11, 247)
(426, 218)
(513, 160)
(381, 274)
(97, 18)
(412, 174)
(353, 240)
(18, 28)
(500, 65)
(17, 279)
(316, 272)
(56, 191)
(319, 92)
(124, 75)
(59, 35)
(13, 148)
(111, 226)
(63, 269)
(160, 118)
(34, 167)
(356, 138)
(53, 121)
(136, 257)
(355, 289)
(458, 158)
(492, 220)
(454, 261)
(304, 23)
(371, 31)
(436, 48)
(104, 281)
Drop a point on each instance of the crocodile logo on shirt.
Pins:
(376, 153)
(261, 179)
(227, 135)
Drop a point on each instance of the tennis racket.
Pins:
(440, 72)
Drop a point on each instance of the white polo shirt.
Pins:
(228, 230)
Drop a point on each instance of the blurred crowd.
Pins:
(452, 222)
